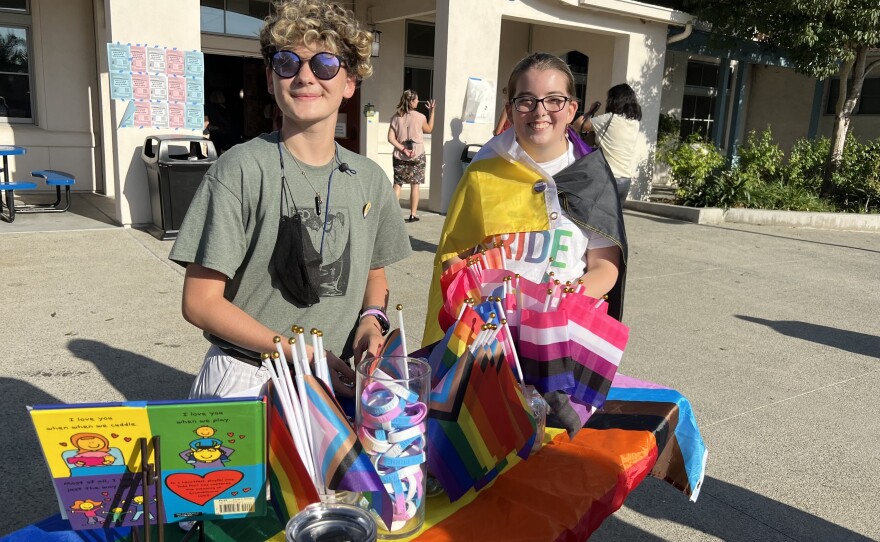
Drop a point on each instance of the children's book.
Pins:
(211, 461)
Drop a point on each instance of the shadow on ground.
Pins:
(723, 512)
(29, 495)
(136, 377)
(848, 341)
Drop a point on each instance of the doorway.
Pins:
(238, 104)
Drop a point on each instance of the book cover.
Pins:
(211, 461)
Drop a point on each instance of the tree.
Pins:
(823, 38)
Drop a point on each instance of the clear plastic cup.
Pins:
(393, 397)
(325, 522)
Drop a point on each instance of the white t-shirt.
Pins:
(616, 135)
(562, 250)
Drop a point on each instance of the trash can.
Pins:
(467, 154)
(175, 167)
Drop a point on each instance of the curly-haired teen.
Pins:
(315, 53)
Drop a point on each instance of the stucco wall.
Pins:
(65, 96)
(171, 23)
(782, 99)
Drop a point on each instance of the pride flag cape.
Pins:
(497, 195)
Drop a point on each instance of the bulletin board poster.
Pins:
(164, 87)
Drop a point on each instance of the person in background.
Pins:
(616, 132)
(234, 289)
(405, 135)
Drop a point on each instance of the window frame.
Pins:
(22, 20)
(225, 33)
(419, 62)
(833, 90)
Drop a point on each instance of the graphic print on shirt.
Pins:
(530, 253)
(336, 252)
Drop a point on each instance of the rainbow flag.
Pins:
(338, 453)
(291, 487)
(478, 419)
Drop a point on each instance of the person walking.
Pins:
(405, 135)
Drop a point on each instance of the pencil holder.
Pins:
(392, 410)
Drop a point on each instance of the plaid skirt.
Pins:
(409, 171)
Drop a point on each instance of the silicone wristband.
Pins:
(406, 434)
(373, 445)
(402, 461)
(403, 392)
(412, 415)
(417, 443)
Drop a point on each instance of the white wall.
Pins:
(65, 96)
(171, 23)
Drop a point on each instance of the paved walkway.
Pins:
(771, 332)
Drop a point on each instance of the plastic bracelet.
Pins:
(413, 414)
(403, 392)
(372, 444)
(402, 460)
(406, 434)
(401, 447)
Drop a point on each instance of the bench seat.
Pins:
(57, 179)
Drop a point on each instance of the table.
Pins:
(6, 185)
(643, 429)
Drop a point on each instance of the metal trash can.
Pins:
(467, 154)
(175, 167)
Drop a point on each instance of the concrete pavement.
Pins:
(771, 332)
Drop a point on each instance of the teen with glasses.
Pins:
(534, 191)
(315, 54)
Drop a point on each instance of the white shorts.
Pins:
(225, 376)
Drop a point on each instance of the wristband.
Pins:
(380, 316)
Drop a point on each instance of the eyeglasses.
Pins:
(552, 104)
(324, 65)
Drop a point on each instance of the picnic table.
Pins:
(564, 492)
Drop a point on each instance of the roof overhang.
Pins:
(629, 8)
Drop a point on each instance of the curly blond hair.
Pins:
(295, 22)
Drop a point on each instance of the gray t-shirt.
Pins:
(232, 225)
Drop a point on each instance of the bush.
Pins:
(690, 164)
(761, 179)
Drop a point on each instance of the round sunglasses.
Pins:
(324, 65)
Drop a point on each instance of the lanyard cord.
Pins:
(285, 191)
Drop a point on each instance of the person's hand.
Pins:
(431, 104)
(368, 339)
(410, 153)
(341, 375)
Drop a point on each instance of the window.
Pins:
(418, 63)
(16, 105)
(869, 102)
(580, 67)
(698, 103)
(234, 17)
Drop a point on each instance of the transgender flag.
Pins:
(338, 453)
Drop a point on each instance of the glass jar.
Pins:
(540, 408)
(393, 397)
(331, 521)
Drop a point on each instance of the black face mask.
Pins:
(297, 264)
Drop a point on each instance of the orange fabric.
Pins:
(578, 484)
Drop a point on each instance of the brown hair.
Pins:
(539, 61)
(404, 106)
(307, 22)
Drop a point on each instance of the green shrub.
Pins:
(856, 182)
(760, 159)
(690, 164)
(806, 163)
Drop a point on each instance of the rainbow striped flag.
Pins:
(291, 487)
(338, 453)
(478, 418)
